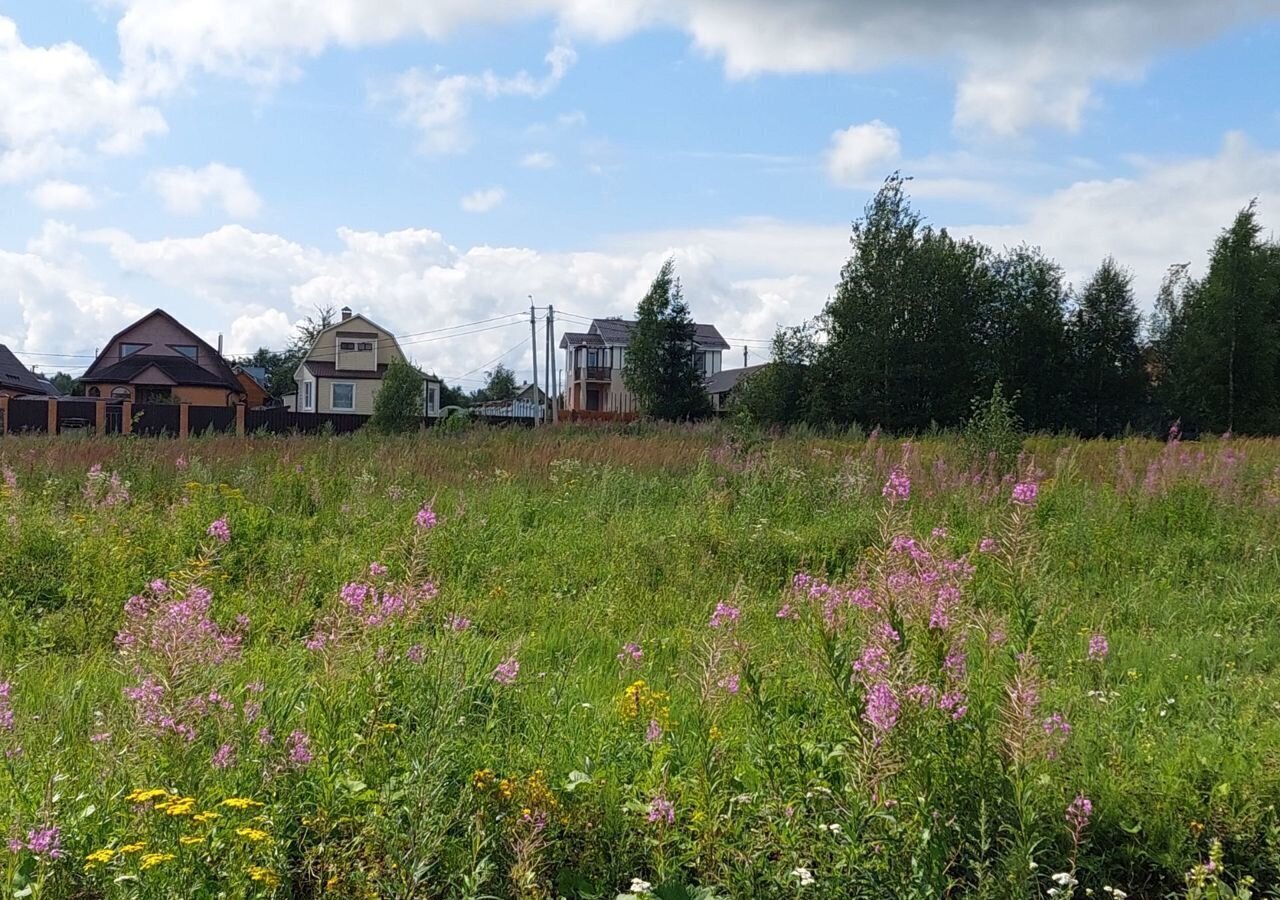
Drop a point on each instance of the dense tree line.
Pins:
(922, 323)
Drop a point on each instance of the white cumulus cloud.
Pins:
(55, 196)
(57, 107)
(189, 192)
(538, 160)
(483, 201)
(862, 153)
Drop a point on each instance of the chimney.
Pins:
(346, 313)
(219, 343)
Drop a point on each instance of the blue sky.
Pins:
(433, 164)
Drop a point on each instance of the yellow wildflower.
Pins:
(389, 726)
(482, 779)
(178, 806)
(190, 839)
(715, 733)
(266, 876)
(506, 787)
(253, 834)
(240, 802)
(205, 817)
(151, 860)
(146, 795)
(105, 855)
(133, 848)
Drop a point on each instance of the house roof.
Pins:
(224, 378)
(727, 379)
(257, 373)
(15, 376)
(324, 369)
(617, 332)
(178, 369)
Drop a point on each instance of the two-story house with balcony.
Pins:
(343, 370)
(594, 361)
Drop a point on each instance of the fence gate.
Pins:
(115, 418)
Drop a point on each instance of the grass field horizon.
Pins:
(591, 663)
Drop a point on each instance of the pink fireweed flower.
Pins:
(1079, 811)
(458, 623)
(1025, 492)
(723, 615)
(10, 479)
(955, 664)
(954, 703)
(377, 570)
(631, 653)
(1098, 648)
(653, 733)
(988, 545)
(220, 531)
(426, 517)
(507, 671)
(661, 810)
(265, 738)
(299, 746)
(898, 488)
(1056, 730)
(100, 738)
(730, 683)
(224, 757)
(46, 842)
(922, 694)
(939, 533)
(873, 663)
(882, 708)
(787, 611)
(6, 706)
(416, 654)
(181, 463)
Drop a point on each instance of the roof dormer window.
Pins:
(127, 350)
(187, 350)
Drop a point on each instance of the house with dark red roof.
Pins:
(16, 380)
(157, 359)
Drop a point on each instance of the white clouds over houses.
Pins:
(189, 192)
(438, 105)
(58, 107)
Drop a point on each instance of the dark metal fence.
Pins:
(77, 415)
(157, 419)
(202, 419)
(28, 415)
(285, 421)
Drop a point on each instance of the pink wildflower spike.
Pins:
(724, 615)
(787, 611)
(219, 530)
(426, 518)
(1098, 648)
(224, 757)
(653, 733)
(507, 671)
(988, 545)
(882, 708)
(377, 570)
(1079, 811)
(661, 810)
(46, 842)
(299, 746)
(898, 488)
(1025, 493)
(730, 683)
(631, 653)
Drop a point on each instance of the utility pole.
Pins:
(744, 356)
(533, 334)
(554, 380)
(543, 409)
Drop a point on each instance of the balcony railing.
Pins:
(593, 373)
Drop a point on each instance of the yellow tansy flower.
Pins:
(105, 855)
(151, 860)
(146, 795)
(133, 848)
(179, 806)
(205, 817)
(240, 802)
(253, 834)
(266, 876)
(190, 839)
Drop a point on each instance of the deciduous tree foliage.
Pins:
(660, 368)
(398, 406)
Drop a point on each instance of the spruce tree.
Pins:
(661, 369)
(1109, 382)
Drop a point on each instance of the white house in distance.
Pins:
(594, 360)
(343, 370)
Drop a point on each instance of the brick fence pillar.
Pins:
(100, 416)
(126, 417)
(239, 420)
(53, 415)
(4, 414)
(184, 419)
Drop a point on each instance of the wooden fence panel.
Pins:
(156, 419)
(201, 419)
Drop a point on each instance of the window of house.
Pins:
(344, 396)
(349, 346)
(120, 393)
(364, 345)
(306, 395)
(130, 349)
(187, 350)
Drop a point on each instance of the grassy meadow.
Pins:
(584, 664)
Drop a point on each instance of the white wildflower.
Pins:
(805, 876)
(641, 887)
